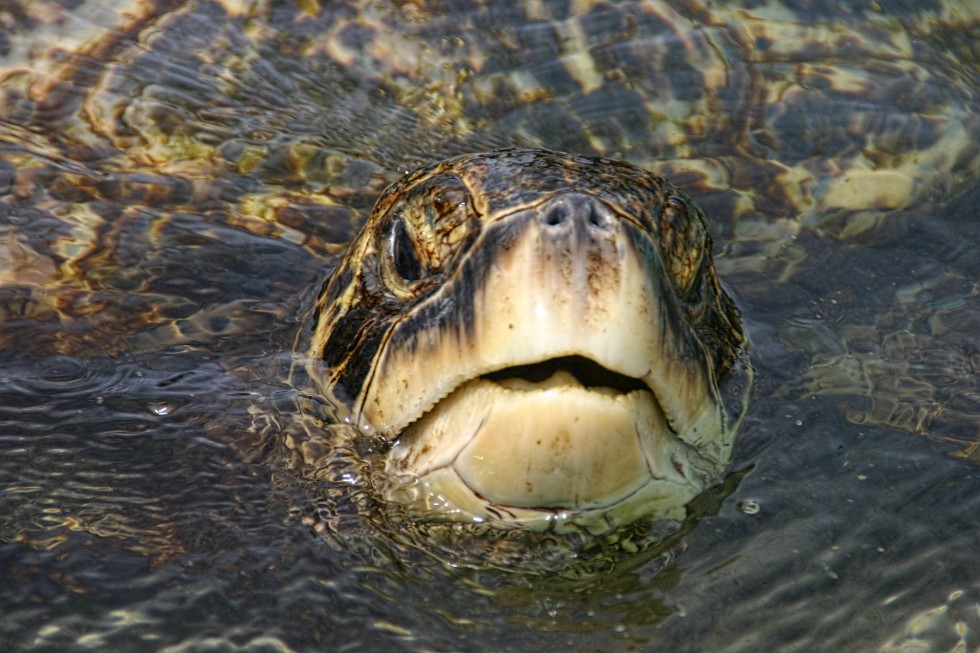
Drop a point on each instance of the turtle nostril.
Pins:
(597, 218)
(557, 214)
(577, 208)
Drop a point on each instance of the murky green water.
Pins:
(175, 192)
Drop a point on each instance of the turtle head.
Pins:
(541, 337)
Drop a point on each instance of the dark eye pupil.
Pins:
(403, 253)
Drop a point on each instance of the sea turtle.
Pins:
(544, 336)
(160, 160)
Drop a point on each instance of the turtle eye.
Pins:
(685, 241)
(424, 234)
(404, 256)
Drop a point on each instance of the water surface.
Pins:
(176, 191)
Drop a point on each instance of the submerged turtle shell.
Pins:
(146, 142)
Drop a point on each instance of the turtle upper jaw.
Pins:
(540, 287)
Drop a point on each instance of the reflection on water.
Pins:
(176, 184)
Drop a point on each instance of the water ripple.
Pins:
(66, 376)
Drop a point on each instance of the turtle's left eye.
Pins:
(685, 243)
(425, 232)
(404, 256)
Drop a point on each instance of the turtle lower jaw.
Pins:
(582, 445)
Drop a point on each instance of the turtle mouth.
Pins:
(588, 373)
